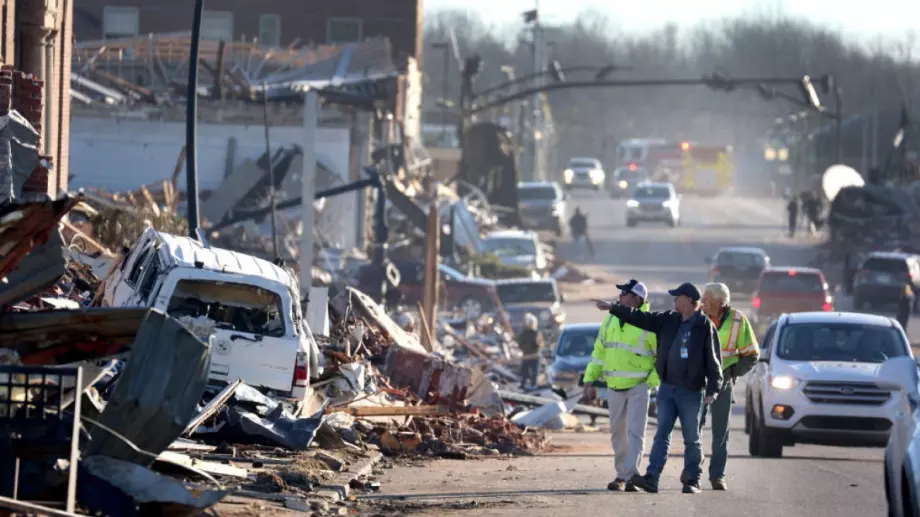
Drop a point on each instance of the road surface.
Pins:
(808, 480)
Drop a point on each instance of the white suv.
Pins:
(816, 382)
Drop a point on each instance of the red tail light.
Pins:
(301, 371)
(756, 302)
(827, 307)
(715, 270)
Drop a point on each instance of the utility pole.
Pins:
(838, 110)
(191, 127)
(536, 106)
(308, 190)
(273, 199)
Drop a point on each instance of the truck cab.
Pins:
(247, 307)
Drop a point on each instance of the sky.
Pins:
(861, 19)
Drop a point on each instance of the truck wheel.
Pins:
(631, 223)
(747, 415)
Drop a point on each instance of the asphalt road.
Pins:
(808, 480)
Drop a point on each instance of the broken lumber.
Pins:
(390, 410)
(530, 400)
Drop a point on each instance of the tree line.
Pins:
(589, 122)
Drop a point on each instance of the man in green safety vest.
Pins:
(624, 357)
(739, 355)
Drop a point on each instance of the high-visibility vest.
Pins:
(623, 357)
(737, 338)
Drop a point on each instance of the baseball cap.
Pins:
(687, 289)
(635, 287)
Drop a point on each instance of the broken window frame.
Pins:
(270, 23)
(339, 22)
(122, 12)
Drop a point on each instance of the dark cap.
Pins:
(687, 289)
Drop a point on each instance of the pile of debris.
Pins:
(872, 217)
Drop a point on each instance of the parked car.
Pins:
(817, 382)
(571, 357)
(472, 295)
(881, 278)
(542, 298)
(517, 248)
(653, 202)
(248, 306)
(584, 173)
(542, 206)
(738, 267)
(625, 179)
(902, 455)
(787, 290)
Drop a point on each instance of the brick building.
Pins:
(35, 50)
(272, 22)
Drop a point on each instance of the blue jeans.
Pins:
(677, 402)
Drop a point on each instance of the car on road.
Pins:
(787, 290)
(542, 206)
(881, 278)
(571, 357)
(584, 173)
(653, 202)
(517, 248)
(902, 455)
(541, 298)
(817, 382)
(738, 267)
(624, 180)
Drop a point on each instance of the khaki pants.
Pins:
(628, 418)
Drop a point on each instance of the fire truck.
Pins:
(702, 169)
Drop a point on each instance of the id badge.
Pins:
(683, 352)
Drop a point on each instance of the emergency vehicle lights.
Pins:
(633, 166)
(793, 272)
(685, 146)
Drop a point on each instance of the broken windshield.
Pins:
(228, 306)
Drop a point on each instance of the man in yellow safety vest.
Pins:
(739, 355)
(624, 357)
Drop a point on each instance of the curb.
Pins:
(339, 488)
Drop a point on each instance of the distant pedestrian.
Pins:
(578, 227)
(792, 209)
(689, 364)
(905, 306)
(531, 344)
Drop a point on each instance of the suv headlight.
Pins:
(568, 175)
(623, 184)
(784, 382)
(596, 174)
(632, 203)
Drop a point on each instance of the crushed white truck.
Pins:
(247, 307)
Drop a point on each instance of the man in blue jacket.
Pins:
(689, 363)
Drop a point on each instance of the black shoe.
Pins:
(692, 487)
(616, 485)
(646, 482)
(631, 487)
